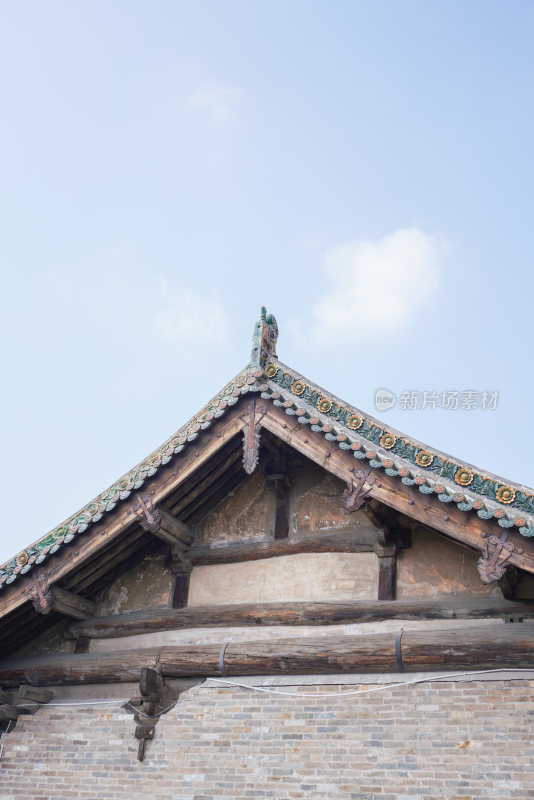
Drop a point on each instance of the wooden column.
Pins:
(387, 571)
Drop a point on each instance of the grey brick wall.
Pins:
(458, 741)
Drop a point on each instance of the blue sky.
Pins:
(364, 170)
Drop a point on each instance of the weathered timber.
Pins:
(251, 438)
(281, 517)
(176, 534)
(151, 685)
(180, 590)
(70, 604)
(32, 694)
(471, 648)
(52, 598)
(73, 669)
(173, 530)
(9, 713)
(276, 472)
(387, 572)
(242, 614)
(340, 542)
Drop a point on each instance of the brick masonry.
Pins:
(459, 741)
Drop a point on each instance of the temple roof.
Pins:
(412, 463)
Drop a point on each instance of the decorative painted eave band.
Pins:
(133, 480)
(412, 462)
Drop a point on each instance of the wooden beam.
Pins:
(79, 669)
(242, 614)
(175, 533)
(328, 542)
(469, 648)
(53, 598)
(173, 530)
(70, 604)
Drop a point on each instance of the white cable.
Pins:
(103, 702)
(78, 703)
(367, 691)
(151, 716)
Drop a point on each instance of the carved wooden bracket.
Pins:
(148, 714)
(354, 497)
(51, 598)
(156, 698)
(251, 436)
(27, 699)
(492, 563)
(170, 530)
(40, 594)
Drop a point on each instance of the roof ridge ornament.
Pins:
(264, 340)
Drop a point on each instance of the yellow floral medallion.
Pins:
(298, 387)
(505, 494)
(354, 422)
(463, 476)
(388, 441)
(424, 458)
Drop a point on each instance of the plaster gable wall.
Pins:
(49, 642)
(315, 502)
(248, 512)
(147, 585)
(303, 577)
(244, 514)
(436, 567)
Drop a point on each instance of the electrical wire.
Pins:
(384, 687)
(151, 716)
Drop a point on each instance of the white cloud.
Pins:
(218, 102)
(377, 287)
(189, 321)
